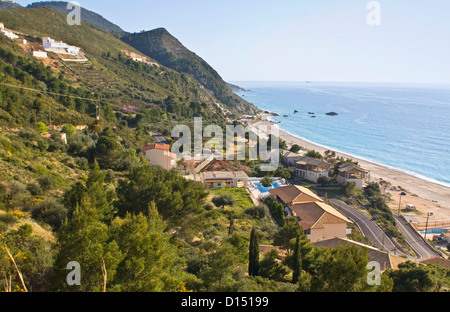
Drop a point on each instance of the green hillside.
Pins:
(166, 49)
(110, 76)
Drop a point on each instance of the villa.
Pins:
(319, 220)
(7, 33)
(290, 158)
(50, 44)
(385, 259)
(160, 155)
(348, 172)
(221, 179)
(311, 168)
(293, 195)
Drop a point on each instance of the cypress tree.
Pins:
(231, 228)
(297, 261)
(253, 263)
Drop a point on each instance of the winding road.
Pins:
(368, 227)
(417, 243)
(377, 236)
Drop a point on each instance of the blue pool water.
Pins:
(263, 189)
(433, 231)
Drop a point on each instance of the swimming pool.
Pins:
(263, 189)
(433, 231)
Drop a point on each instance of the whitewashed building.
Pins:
(50, 44)
(7, 33)
(40, 54)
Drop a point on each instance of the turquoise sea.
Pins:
(403, 126)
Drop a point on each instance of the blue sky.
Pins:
(298, 40)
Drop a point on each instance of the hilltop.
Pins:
(9, 5)
(87, 16)
(166, 49)
(160, 45)
(110, 75)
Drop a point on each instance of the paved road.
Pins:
(368, 227)
(159, 138)
(422, 249)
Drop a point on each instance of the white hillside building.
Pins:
(7, 33)
(50, 44)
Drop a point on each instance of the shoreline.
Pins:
(425, 195)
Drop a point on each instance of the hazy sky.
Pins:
(298, 40)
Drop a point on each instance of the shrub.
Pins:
(295, 148)
(79, 143)
(82, 163)
(16, 189)
(266, 182)
(110, 176)
(208, 207)
(47, 183)
(276, 210)
(323, 181)
(51, 212)
(7, 219)
(34, 188)
(41, 127)
(224, 200)
(69, 129)
(257, 212)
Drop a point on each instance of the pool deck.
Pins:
(256, 194)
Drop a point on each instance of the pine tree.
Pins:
(253, 263)
(297, 261)
(84, 239)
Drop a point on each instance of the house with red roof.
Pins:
(160, 155)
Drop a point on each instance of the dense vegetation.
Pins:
(166, 49)
(163, 47)
(133, 227)
(148, 92)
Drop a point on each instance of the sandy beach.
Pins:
(424, 195)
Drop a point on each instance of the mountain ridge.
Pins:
(9, 5)
(170, 52)
(86, 15)
(110, 75)
(167, 50)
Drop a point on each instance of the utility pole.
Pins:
(429, 214)
(400, 205)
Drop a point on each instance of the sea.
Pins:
(401, 126)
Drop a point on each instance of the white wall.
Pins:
(161, 158)
(329, 231)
